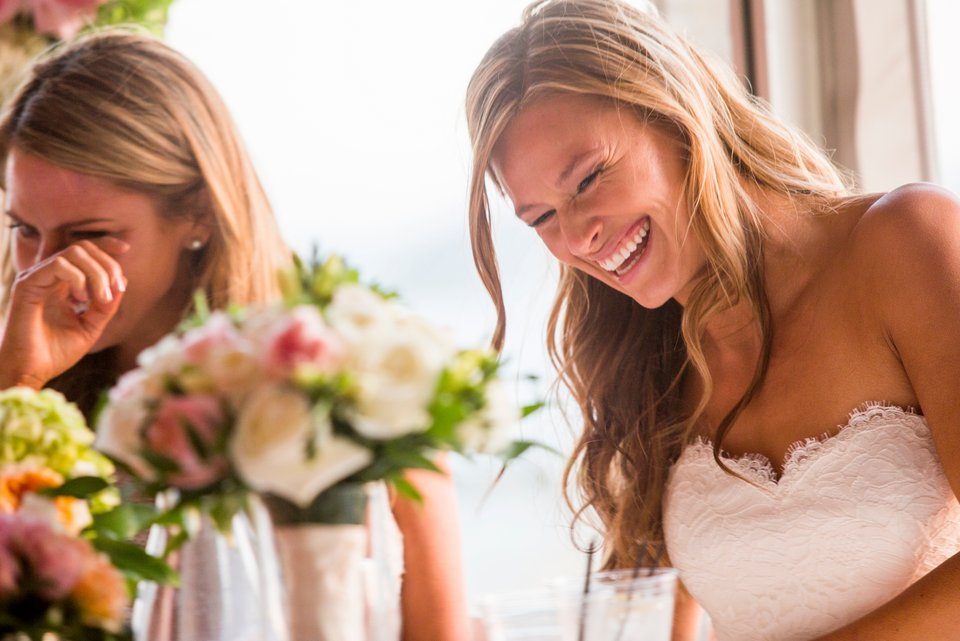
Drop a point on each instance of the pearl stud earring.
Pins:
(195, 244)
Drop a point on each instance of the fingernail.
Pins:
(121, 284)
(107, 294)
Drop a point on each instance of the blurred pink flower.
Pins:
(56, 561)
(9, 566)
(167, 435)
(61, 568)
(9, 8)
(62, 18)
(302, 338)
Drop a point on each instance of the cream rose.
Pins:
(269, 447)
(395, 371)
(356, 313)
(119, 426)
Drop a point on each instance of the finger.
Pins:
(103, 250)
(95, 317)
(52, 273)
(98, 277)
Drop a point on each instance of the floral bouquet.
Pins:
(51, 481)
(27, 27)
(340, 384)
(303, 403)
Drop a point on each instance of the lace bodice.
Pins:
(854, 519)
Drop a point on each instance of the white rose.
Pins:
(45, 509)
(120, 423)
(269, 447)
(165, 357)
(395, 373)
(489, 431)
(356, 312)
(233, 369)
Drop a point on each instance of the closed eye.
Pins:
(90, 234)
(23, 230)
(543, 218)
(586, 182)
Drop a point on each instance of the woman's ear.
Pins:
(200, 225)
(198, 236)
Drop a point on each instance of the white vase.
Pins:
(323, 576)
(341, 579)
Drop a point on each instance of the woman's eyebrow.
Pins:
(574, 162)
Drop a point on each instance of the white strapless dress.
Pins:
(854, 519)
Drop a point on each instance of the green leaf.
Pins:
(131, 559)
(406, 489)
(81, 487)
(160, 462)
(175, 541)
(519, 447)
(196, 441)
(123, 522)
(410, 459)
(527, 410)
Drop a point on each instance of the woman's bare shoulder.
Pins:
(910, 213)
(904, 255)
(906, 232)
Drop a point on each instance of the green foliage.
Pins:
(151, 14)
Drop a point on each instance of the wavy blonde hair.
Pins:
(621, 362)
(124, 107)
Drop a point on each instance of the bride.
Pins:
(766, 360)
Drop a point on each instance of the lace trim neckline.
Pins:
(759, 468)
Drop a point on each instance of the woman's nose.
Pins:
(48, 246)
(581, 232)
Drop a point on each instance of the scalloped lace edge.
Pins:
(760, 467)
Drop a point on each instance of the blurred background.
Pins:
(353, 112)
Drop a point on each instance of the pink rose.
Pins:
(301, 338)
(63, 18)
(167, 435)
(9, 8)
(55, 561)
(9, 566)
(218, 332)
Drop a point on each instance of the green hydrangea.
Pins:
(44, 428)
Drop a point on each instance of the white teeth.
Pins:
(620, 256)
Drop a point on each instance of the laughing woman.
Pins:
(126, 189)
(766, 361)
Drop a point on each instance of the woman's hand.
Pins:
(58, 310)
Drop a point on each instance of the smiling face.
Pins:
(49, 208)
(605, 193)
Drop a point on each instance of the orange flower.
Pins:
(101, 595)
(18, 480)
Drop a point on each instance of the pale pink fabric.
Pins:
(854, 519)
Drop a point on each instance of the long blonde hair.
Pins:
(127, 108)
(621, 362)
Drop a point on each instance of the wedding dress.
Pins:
(854, 519)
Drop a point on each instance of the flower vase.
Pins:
(337, 584)
(229, 587)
